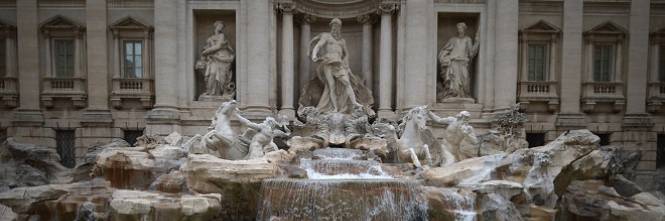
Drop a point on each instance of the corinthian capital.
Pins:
(285, 6)
(388, 6)
(364, 19)
(309, 18)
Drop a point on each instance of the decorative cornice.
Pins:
(343, 9)
(61, 23)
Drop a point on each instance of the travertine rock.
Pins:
(591, 199)
(30, 165)
(6, 214)
(469, 171)
(446, 204)
(173, 182)
(138, 205)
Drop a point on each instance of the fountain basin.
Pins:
(341, 199)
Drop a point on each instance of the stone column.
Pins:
(166, 68)
(97, 61)
(366, 21)
(386, 61)
(28, 69)
(505, 70)
(637, 64)
(287, 62)
(304, 63)
(255, 99)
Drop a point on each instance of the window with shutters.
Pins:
(603, 63)
(661, 63)
(133, 59)
(3, 57)
(537, 62)
(63, 56)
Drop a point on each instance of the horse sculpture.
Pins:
(416, 140)
(221, 139)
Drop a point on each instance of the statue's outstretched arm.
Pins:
(440, 120)
(247, 123)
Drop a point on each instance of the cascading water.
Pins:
(341, 186)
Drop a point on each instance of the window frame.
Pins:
(3, 57)
(54, 57)
(545, 33)
(545, 59)
(661, 62)
(611, 72)
(607, 33)
(123, 67)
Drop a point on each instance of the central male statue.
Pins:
(335, 88)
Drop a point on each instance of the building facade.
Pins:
(74, 73)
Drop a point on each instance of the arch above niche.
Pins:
(340, 8)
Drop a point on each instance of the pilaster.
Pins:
(98, 113)
(28, 113)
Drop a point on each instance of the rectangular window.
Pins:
(3, 58)
(603, 63)
(65, 140)
(660, 151)
(537, 63)
(133, 63)
(535, 139)
(63, 53)
(661, 63)
(132, 135)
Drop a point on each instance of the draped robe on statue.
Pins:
(333, 60)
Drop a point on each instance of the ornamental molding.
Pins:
(343, 9)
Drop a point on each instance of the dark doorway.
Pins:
(65, 141)
(535, 139)
(132, 135)
(604, 139)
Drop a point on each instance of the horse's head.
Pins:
(228, 107)
(418, 116)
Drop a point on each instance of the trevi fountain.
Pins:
(336, 161)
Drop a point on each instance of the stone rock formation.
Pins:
(331, 162)
(29, 165)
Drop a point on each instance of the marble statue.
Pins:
(221, 140)
(215, 63)
(454, 59)
(335, 88)
(257, 140)
(459, 135)
(416, 140)
(262, 141)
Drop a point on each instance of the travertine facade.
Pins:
(129, 65)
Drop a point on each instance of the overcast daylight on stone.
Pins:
(345, 110)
